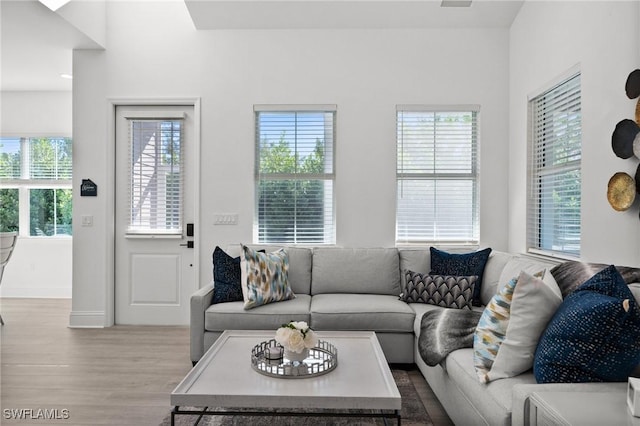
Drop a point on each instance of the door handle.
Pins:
(189, 244)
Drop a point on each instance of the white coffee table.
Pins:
(224, 379)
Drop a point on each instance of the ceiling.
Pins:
(307, 14)
(36, 46)
(36, 43)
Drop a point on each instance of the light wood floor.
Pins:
(120, 375)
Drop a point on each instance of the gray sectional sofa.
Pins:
(357, 289)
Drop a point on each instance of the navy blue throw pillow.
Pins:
(226, 277)
(443, 263)
(593, 336)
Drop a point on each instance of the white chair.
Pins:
(7, 243)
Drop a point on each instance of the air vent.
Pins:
(455, 3)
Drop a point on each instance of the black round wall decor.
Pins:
(632, 87)
(622, 138)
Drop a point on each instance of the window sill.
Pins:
(551, 256)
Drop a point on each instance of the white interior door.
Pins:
(154, 259)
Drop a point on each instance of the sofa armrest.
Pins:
(520, 415)
(200, 301)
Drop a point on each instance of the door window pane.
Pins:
(156, 176)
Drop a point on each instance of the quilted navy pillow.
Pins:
(593, 336)
(458, 265)
(226, 277)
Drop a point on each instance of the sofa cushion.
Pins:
(265, 277)
(413, 260)
(374, 312)
(232, 316)
(495, 398)
(443, 263)
(593, 337)
(360, 270)
(491, 280)
(299, 264)
(518, 264)
(445, 291)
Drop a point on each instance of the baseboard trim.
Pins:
(86, 319)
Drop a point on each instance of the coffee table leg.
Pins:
(173, 416)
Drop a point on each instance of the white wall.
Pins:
(547, 39)
(365, 72)
(39, 267)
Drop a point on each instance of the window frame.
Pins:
(473, 239)
(535, 174)
(327, 175)
(24, 184)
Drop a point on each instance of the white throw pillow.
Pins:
(534, 303)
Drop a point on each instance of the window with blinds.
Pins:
(156, 176)
(295, 174)
(437, 175)
(50, 158)
(38, 171)
(555, 152)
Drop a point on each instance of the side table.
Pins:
(555, 408)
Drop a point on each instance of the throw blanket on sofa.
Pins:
(443, 331)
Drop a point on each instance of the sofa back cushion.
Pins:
(299, 264)
(356, 270)
(416, 260)
(492, 271)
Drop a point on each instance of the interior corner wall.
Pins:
(28, 274)
(366, 73)
(546, 40)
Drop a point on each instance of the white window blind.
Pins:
(10, 158)
(36, 158)
(156, 176)
(295, 175)
(555, 151)
(437, 175)
(50, 158)
(35, 185)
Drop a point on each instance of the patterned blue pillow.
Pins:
(593, 336)
(226, 278)
(265, 277)
(443, 263)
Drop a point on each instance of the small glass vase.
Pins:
(296, 356)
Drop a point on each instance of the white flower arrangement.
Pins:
(296, 336)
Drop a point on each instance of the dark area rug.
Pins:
(413, 413)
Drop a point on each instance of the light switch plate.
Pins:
(225, 219)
